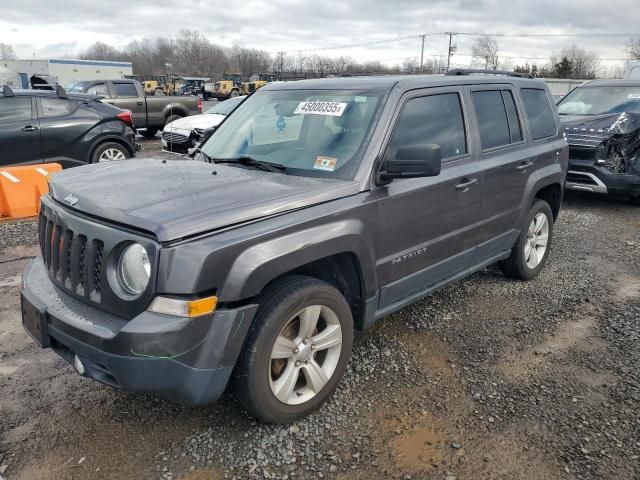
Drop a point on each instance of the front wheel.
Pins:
(108, 152)
(297, 350)
(234, 93)
(531, 251)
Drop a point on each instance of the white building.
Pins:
(19, 73)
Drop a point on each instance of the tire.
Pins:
(109, 151)
(171, 118)
(520, 264)
(149, 132)
(158, 92)
(233, 94)
(258, 375)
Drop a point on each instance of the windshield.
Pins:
(600, 100)
(76, 86)
(224, 108)
(310, 132)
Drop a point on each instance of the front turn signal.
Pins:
(183, 308)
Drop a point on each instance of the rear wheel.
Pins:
(149, 132)
(108, 152)
(171, 118)
(296, 351)
(531, 251)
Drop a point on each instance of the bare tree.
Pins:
(101, 51)
(485, 52)
(6, 52)
(249, 60)
(633, 48)
(584, 63)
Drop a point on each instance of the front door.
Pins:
(19, 131)
(427, 226)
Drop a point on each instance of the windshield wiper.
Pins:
(253, 162)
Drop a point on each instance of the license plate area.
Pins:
(34, 320)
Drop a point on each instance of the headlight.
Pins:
(134, 269)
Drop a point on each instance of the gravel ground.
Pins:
(489, 378)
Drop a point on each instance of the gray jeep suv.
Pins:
(314, 210)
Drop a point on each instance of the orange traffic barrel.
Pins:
(21, 189)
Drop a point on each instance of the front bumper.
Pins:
(587, 176)
(184, 360)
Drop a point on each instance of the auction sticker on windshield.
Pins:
(327, 164)
(335, 109)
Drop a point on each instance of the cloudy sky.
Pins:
(49, 28)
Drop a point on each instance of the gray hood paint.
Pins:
(173, 199)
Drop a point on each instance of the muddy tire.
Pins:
(530, 253)
(296, 351)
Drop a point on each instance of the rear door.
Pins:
(63, 127)
(19, 131)
(508, 162)
(427, 230)
(125, 95)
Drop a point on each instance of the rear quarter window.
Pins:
(55, 107)
(539, 112)
(125, 90)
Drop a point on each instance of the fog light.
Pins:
(78, 365)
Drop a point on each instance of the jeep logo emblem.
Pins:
(71, 199)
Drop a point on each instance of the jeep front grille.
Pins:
(74, 263)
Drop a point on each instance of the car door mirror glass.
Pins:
(413, 161)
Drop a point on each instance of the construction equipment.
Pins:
(230, 86)
(257, 81)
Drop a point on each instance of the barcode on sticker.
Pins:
(335, 109)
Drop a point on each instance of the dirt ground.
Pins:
(488, 378)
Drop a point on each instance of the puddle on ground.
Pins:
(417, 450)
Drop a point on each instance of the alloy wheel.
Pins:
(535, 246)
(305, 354)
(111, 154)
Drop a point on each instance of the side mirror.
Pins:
(414, 161)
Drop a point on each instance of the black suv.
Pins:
(314, 210)
(53, 126)
(601, 120)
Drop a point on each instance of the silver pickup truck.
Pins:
(149, 113)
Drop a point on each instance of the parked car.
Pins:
(601, 120)
(149, 113)
(317, 208)
(185, 133)
(52, 126)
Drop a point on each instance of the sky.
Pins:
(46, 29)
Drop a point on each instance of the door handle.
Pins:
(524, 166)
(29, 128)
(466, 183)
(139, 103)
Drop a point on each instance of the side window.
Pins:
(515, 128)
(55, 107)
(15, 109)
(99, 89)
(539, 113)
(125, 90)
(433, 119)
(492, 118)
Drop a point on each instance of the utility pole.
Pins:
(281, 63)
(422, 53)
(449, 51)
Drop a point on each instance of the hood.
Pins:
(608, 124)
(179, 198)
(204, 121)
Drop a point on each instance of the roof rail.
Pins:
(61, 92)
(6, 91)
(470, 71)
